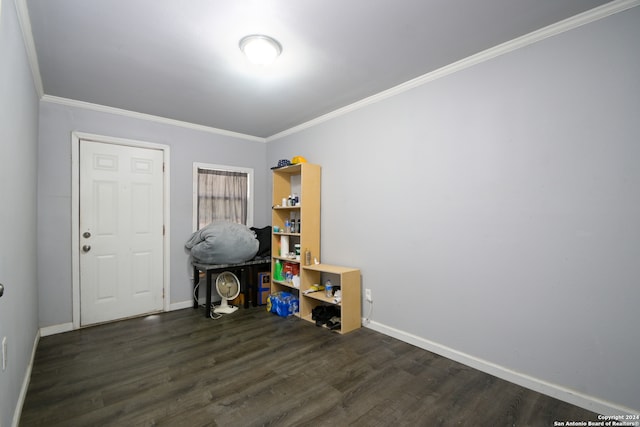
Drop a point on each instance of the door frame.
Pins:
(75, 214)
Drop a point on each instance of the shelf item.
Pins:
(303, 180)
(287, 207)
(285, 259)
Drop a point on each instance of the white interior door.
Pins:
(121, 231)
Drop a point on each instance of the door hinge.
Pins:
(163, 229)
(162, 166)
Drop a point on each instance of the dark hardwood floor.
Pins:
(252, 368)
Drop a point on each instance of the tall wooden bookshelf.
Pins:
(303, 180)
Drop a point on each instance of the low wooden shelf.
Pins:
(347, 278)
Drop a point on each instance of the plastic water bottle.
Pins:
(328, 289)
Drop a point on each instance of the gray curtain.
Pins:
(222, 196)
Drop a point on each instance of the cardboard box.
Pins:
(291, 267)
(263, 295)
(264, 287)
(238, 301)
(264, 280)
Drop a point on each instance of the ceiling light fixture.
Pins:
(260, 49)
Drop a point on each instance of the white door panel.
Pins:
(121, 242)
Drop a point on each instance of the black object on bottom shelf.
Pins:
(327, 315)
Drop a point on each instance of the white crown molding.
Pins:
(533, 37)
(30, 46)
(148, 117)
(27, 35)
(589, 16)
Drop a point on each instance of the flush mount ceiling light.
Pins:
(260, 49)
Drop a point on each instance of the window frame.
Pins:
(212, 166)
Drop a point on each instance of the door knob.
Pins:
(86, 234)
(86, 248)
(1, 289)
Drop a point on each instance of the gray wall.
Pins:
(18, 144)
(496, 211)
(57, 122)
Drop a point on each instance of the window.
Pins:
(222, 193)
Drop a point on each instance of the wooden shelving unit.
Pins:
(348, 279)
(304, 180)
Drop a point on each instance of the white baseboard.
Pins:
(25, 383)
(556, 391)
(56, 329)
(181, 305)
(189, 303)
(66, 327)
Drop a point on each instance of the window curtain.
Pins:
(222, 196)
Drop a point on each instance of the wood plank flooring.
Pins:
(252, 368)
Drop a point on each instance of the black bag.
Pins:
(322, 314)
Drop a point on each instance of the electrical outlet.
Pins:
(4, 353)
(367, 293)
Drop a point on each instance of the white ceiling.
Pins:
(180, 59)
